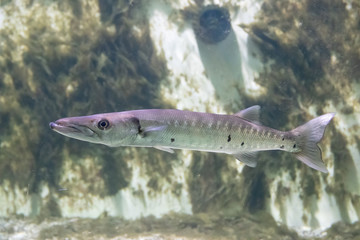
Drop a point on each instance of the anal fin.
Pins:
(249, 158)
(165, 149)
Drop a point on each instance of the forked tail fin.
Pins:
(308, 135)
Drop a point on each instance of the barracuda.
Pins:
(240, 135)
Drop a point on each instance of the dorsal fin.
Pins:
(252, 114)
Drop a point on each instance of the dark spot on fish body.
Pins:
(294, 146)
(141, 132)
(242, 144)
(282, 147)
(172, 139)
(135, 121)
(283, 138)
(229, 138)
(221, 147)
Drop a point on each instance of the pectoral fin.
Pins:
(169, 150)
(151, 130)
(249, 158)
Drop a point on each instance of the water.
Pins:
(297, 59)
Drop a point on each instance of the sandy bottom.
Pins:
(184, 227)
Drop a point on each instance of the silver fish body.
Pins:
(240, 134)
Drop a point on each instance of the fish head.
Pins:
(111, 129)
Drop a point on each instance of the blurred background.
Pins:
(296, 59)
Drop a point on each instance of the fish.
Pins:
(240, 135)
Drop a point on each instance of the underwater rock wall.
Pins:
(295, 59)
(315, 48)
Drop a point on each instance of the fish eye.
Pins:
(103, 124)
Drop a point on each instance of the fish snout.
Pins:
(58, 125)
(63, 122)
(52, 125)
(70, 126)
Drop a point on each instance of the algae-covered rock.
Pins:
(70, 58)
(314, 48)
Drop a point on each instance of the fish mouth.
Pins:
(66, 128)
(60, 127)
